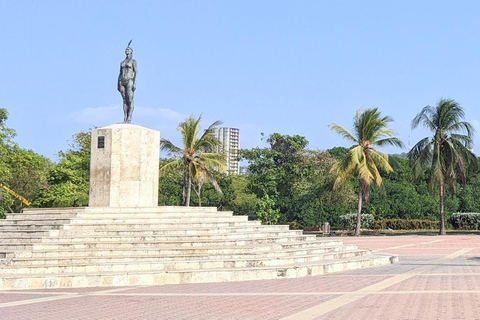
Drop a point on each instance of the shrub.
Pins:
(349, 221)
(266, 212)
(405, 224)
(466, 221)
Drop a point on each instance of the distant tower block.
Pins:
(230, 139)
(124, 166)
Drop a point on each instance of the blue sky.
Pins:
(290, 67)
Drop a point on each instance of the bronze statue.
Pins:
(127, 81)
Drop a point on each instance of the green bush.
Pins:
(405, 224)
(349, 221)
(466, 221)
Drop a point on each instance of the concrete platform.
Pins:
(101, 247)
(437, 277)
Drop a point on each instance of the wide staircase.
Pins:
(90, 247)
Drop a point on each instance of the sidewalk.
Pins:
(438, 277)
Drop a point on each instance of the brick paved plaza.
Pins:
(438, 277)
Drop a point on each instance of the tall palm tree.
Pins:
(370, 129)
(447, 153)
(200, 179)
(196, 156)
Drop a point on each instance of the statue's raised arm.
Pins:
(127, 82)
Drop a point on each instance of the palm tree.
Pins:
(370, 129)
(202, 177)
(447, 153)
(196, 156)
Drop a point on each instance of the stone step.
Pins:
(18, 233)
(161, 209)
(95, 226)
(161, 221)
(171, 230)
(31, 216)
(99, 279)
(114, 226)
(130, 220)
(169, 250)
(116, 216)
(30, 227)
(126, 231)
(43, 221)
(141, 237)
(79, 266)
(74, 245)
(272, 254)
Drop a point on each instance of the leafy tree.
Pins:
(470, 194)
(6, 144)
(446, 154)
(200, 179)
(68, 180)
(170, 184)
(370, 129)
(245, 202)
(273, 170)
(28, 174)
(297, 180)
(196, 156)
(212, 198)
(338, 152)
(267, 212)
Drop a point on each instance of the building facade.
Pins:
(230, 139)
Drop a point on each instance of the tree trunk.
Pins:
(359, 213)
(198, 192)
(188, 184)
(442, 209)
(199, 196)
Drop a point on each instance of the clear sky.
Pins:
(290, 67)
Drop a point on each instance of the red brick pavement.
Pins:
(438, 277)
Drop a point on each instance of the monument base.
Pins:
(124, 166)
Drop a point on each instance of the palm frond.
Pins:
(167, 145)
(189, 130)
(205, 175)
(380, 160)
(392, 141)
(425, 117)
(343, 132)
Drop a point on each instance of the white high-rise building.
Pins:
(230, 139)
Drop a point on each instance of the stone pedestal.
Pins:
(124, 166)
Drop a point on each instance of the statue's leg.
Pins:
(131, 105)
(125, 106)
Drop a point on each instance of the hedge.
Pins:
(405, 224)
(349, 221)
(466, 221)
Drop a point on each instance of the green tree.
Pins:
(297, 180)
(200, 179)
(446, 154)
(371, 129)
(68, 180)
(266, 212)
(244, 202)
(274, 170)
(196, 156)
(28, 175)
(6, 145)
(170, 184)
(210, 195)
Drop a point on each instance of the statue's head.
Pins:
(129, 50)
